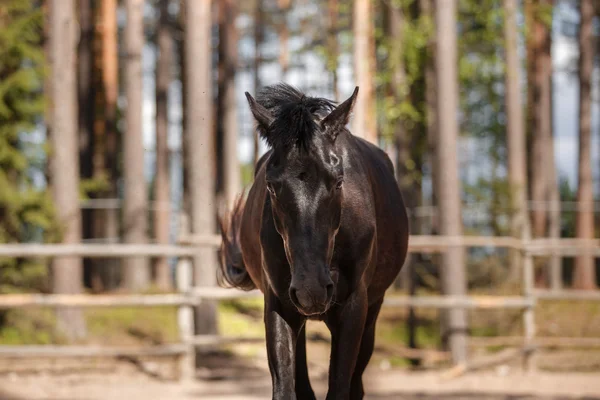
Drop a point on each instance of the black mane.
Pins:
(294, 115)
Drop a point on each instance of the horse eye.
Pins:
(270, 188)
(340, 182)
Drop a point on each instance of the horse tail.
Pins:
(232, 271)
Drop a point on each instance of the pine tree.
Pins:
(26, 211)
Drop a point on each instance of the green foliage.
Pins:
(481, 68)
(481, 81)
(88, 187)
(26, 211)
(401, 86)
(411, 55)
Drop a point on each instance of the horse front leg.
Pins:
(346, 332)
(304, 390)
(281, 333)
(367, 345)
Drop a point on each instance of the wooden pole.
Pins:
(185, 314)
(529, 314)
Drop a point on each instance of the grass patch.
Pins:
(399, 362)
(394, 331)
(126, 325)
(21, 327)
(148, 324)
(241, 317)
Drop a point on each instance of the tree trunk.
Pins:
(162, 182)
(535, 75)
(554, 228)
(258, 40)
(67, 273)
(106, 142)
(333, 52)
(46, 9)
(135, 210)
(284, 35)
(552, 194)
(364, 124)
(585, 277)
(87, 114)
(200, 130)
(85, 85)
(184, 139)
(453, 261)
(539, 102)
(394, 29)
(554, 269)
(428, 11)
(229, 41)
(539, 123)
(517, 167)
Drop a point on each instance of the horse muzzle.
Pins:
(312, 299)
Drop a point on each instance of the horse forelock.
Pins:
(295, 114)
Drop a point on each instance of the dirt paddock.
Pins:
(129, 381)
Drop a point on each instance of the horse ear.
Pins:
(261, 114)
(339, 117)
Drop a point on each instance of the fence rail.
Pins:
(65, 351)
(188, 244)
(547, 342)
(189, 296)
(95, 250)
(96, 300)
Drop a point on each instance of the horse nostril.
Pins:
(293, 296)
(329, 291)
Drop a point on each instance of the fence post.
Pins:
(185, 313)
(529, 313)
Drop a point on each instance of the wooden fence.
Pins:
(189, 296)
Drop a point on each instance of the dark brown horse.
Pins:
(323, 233)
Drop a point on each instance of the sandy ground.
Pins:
(253, 383)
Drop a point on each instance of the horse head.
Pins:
(305, 180)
